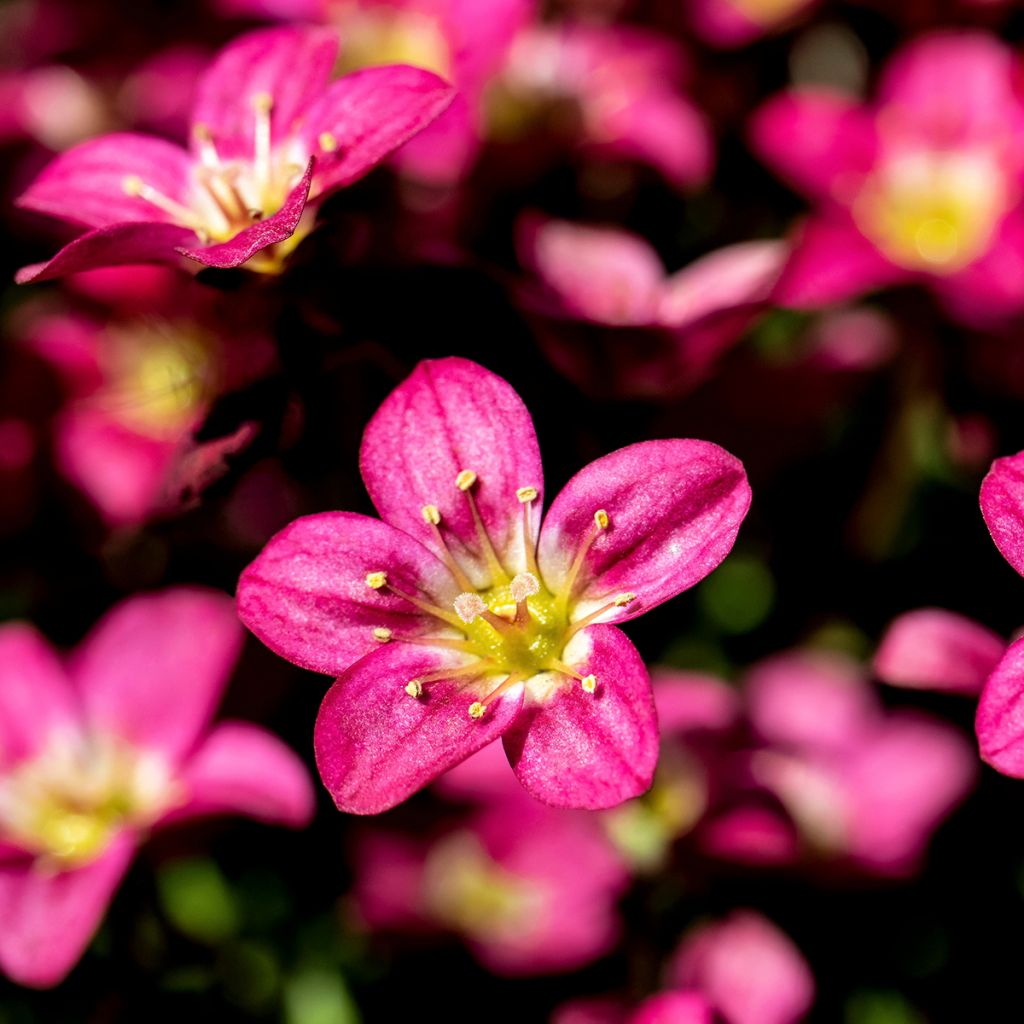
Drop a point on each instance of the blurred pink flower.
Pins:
(729, 23)
(671, 1007)
(98, 750)
(923, 184)
(270, 133)
(475, 623)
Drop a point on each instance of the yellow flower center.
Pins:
(767, 12)
(375, 37)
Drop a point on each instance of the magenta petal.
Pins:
(153, 668)
(85, 185)
(368, 115)
(242, 769)
(291, 65)
(376, 745)
(306, 596)
(35, 698)
(264, 233)
(1002, 505)
(673, 1008)
(933, 649)
(1000, 719)
(49, 918)
(114, 246)
(594, 750)
(452, 415)
(674, 509)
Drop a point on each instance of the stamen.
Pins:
(589, 683)
(431, 514)
(381, 633)
(554, 665)
(379, 580)
(527, 496)
(207, 148)
(601, 523)
(524, 585)
(133, 185)
(468, 606)
(262, 104)
(414, 688)
(376, 580)
(432, 517)
(465, 482)
(620, 601)
(476, 709)
(601, 519)
(328, 143)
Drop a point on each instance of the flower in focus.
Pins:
(117, 741)
(923, 184)
(458, 619)
(270, 135)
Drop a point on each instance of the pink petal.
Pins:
(85, 185)
(446, 149)
(821, 142)
(153, 668)
(673, 1008)
(368, 115)
(1002, 505)
(833, 262)
(484, 776)
(292, 65)
(49, 918)
(1000, 718)
(722, 22)
(243, 769)
(933, 649)
(592, 750)
(113, 246)
(750, 971)
(376, 745)
(602, 1010)
(35, 698)
(388, 889)
(674, 509)
(305, 596)
(688, 701)
(451, 415)
(752, 835)
(249, 241)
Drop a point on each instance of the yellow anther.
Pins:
(621, 600)
(526, 494)
(414, 688)
(328, 143)
(376, 580)
(431, 514)
(589, 683)
(465, 479)
(262, 102)
(476, 709)
(601, 519)
(381, 633)
(132, 185)
(201, 133)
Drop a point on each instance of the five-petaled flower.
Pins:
(271, 135)
(458, 619)
(96, 751)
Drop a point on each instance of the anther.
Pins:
(465, 480)
(328, 143)
(431, 514)
(468, 606)
(621, 600)
(132, 185)
(381, 633)
(262, 102)
(523, 585)
(476, 709)
(601, 519)
(376, 580)
(414, 688)
(589, 683)
(526, 494)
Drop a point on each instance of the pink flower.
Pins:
(270, 135)
(458, 619)
(920, 185)
(613, 319)
(729, 23)
(116, 741)
(671, 1007)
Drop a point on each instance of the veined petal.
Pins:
(35, 698)
(376, 744)
(1000, 719)
(49, 917)
(673, 508)
(113, 246)
(1002, 505)
(86, 184)
(934, 649)
(306, 597)
(291, 65)
(249, 241)
(452, 415)
(243, 769)
(153, 669)
(366, 116)
(572, 748)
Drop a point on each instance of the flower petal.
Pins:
(243, 769)
(376, 744)
(251, 240)
(1000, 719)
(452, 415)
(934, 649)
(674, 509)
(35, 697)
(673, 1008)
(86, 184)
(291, 65)
(571, 748)
(1002, 505)
(306, 597)
(113, 246)
(152, 670)
(50, 917)
(368, 115)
